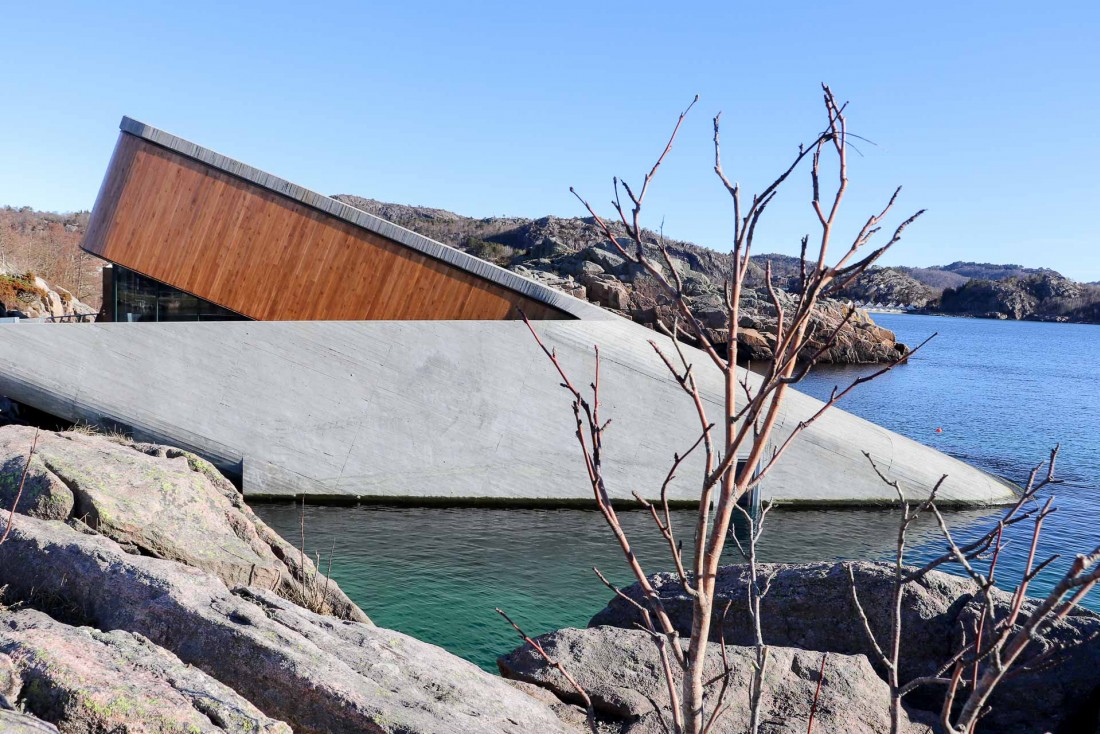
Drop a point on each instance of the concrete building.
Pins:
(312, 348)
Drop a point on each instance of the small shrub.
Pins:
(493, 252)
(20, 289)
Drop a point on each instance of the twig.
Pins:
(19, 493)
(817, 693)
(589, 709)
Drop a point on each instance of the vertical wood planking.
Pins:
(271, 258)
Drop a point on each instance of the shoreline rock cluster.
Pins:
(106, 634)
(140, 594)
(808, 612)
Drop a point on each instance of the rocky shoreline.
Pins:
(154, 626)
(140, 594)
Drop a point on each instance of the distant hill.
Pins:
(959, 288)
(989, 271)
(1041, 296)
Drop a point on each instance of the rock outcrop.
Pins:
(890, 285)
(30, 297)
(160, 585)
(160, 502)
(573, 255)
(13, 722)
(621, 671)
(81, 679)
(810, 607)
(319, 674)
(1044, 296)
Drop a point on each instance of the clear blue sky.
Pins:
(987, 112)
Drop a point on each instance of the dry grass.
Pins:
(111, 434)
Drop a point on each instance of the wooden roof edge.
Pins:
(536, 291)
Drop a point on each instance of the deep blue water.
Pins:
(1003, 393)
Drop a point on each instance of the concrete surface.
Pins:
(438, 410)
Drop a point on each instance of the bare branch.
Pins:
(19, 493)
(591, 712)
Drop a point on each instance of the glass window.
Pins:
(138, 298)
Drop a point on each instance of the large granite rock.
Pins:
(160, 502)
(83, 680)
(810, 607)
(319, 674)
(620, 669)
(13, 722)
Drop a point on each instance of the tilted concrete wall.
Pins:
(453, 410)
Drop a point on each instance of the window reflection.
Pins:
(138, 298)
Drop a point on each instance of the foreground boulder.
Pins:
(319, 674)
(810, 607)
(13, 722)
(160, 502)
(84, 680)
(621, 671)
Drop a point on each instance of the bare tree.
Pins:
(995, 647)
(758, 587)
(738, 452)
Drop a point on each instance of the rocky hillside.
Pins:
(48, 245)
(30, 297)
(1045, 296)
(574, 256)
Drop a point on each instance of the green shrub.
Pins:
(493, 252)
(20, 289)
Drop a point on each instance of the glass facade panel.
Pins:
(138, 298)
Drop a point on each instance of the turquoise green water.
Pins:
(437, 574)
(1002, 392)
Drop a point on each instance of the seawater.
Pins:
(1003, 394)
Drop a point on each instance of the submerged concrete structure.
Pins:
(416, 382)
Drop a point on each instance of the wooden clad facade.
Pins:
(270, 257)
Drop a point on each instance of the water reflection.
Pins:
(804, 536)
